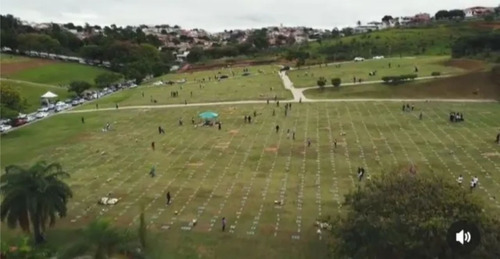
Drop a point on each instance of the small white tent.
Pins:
(49, 95)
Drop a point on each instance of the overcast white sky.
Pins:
(217, 15)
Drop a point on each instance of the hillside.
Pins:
(435, 39)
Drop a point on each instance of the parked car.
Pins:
(81, 101)
(67, 101)
(75, 102)
(358, 59)
(133, 86)
(5, 121)
(19, 121)
(51, 106)
(5, 127)
(43, 109)
(31, 118)
(378, 57)
(40, 115)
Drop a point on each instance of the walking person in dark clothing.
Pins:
(308, 142)
(220, 126)
(180, 121)
(255, 113)
(192, 120)
(168, 198)
(96, 106)
(249, 119)
(420, 116)
(223, 224)
(277, 128)
(153, 146)
(335, 143)
(278, 103)
(274, 112)
(116, 106)
(293, 134)
(83, 120)
(498, 138)
(159, 130)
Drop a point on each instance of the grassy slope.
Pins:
(378, 135)
(426, 65)
(32, 93)
(7, 58)
(254, 87)
(58, 73)
(433, 40)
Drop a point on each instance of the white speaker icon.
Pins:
(462, 237)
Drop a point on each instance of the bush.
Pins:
(336, 82)
(435, 73)
(321, 82)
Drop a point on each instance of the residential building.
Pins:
(478, 11)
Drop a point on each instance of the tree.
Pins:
(92, 52)
(101, 240)
(195, 55)
(11, 102)
(336, 82)
(300, 62)
(258, 39)
(321, 83)
(456, 14)
(34, 195)
(38, 42)
(403, 215)
(106, 79)
(78, 87)
(387, 18)
(348, 31)
(442, 14)
(335, 32)
(359, 23)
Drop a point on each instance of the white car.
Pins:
(43, 109)
(356, 59)
(133, 86)
(41, 115)
(30, 118)
(51, 106)
(5, 127)
(378, 57)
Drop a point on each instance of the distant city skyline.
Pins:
(220, 15)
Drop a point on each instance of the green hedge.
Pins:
(398, 79)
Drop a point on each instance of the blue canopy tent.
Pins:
(208, 115)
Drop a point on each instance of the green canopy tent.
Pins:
(208, 115)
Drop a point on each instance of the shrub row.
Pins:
(398, 79)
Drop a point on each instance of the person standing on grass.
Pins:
(308, 142)
(220, 125)
(255, 113)
(192, 120)
(293, 134)
(191, 93)
(96, 106)
(159, 129)
(116, 105)
(249, 119)
(168, 198)
(223, 224)
(278, 103)
(153, 171)
(420, 116)
(274, 112)
(142, 93)
(246, 119)
(83, 120)
(335, 143)
(498, 138)
(153, 146)
(180, 121)
(277, 128)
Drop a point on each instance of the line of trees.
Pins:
(448, 15)
(483, 45)
(131, 52)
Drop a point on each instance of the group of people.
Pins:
(248, 119)
(473, 182)
(407, 108)
(456, 117)
(174, 94)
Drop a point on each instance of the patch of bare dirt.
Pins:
(466, 64)
(234, 132)
(11, 68)
(195, 164)
(271, 149)
(491, 154)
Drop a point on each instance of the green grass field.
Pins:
(254, 87)
(32, 93)
(7, 58)
(239, 171)
(308, 77)
(58, 73)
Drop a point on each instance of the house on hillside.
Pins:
(364, 29)
(478, 11)
(181, 57)
(421, 18)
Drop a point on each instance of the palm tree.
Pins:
(100, 240)
(34, 196)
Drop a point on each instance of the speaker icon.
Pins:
(463, 237)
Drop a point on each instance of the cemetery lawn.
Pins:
(52, 72)
(253, 87)
(239, 171)
(8, 58)
(32, 93)
(306, 77)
